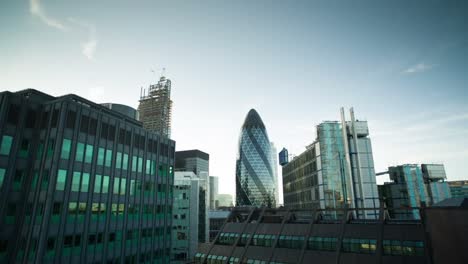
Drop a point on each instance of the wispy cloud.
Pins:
(36, 9)
(88, 48)
(420, 67)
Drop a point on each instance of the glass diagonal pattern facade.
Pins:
(255, 181)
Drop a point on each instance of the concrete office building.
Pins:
(413, 185)
(253, 235)
(81, 183)
(255, 180)
(214, 184)
(199, 163)
(155, 108)
(335, 171)
(185, 216)
(458, 188)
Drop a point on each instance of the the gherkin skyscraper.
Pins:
(255, 179)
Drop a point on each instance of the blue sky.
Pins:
(403, 65)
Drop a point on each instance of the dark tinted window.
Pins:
(71, 118)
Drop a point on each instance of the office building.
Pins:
(198, 162)
(193, 160)
(413, 185)
(214, 184)
(274, 166)
(155, 108)
(224, 200)
(81, 183)
(217, 219)
(335, 171)
(253, 235)
(185, 216)
(458, 188)
(255, 182)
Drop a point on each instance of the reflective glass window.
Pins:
(125, 162)
(61, 179)
(100, 158)
(140, 164)
(80, 148)
(116, 185)
(97, 183)
(2, 176)
(5, 146)
(108, 158)
(66, 147)
(89, 154)
(105, 184)
(123, 183)
(76, 181)
(85, 182)
(134, 163)
(118, 160)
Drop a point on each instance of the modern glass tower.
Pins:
(255, 181)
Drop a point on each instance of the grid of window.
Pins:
(294, 242)
(355, 245)
(263, 240)
(227, 238)
(405, 248)
(322, 243)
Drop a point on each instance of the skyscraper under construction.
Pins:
(156, 107)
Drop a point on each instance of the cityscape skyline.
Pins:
(323, 68)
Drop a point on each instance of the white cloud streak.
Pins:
(420, 67)
(88, 48)
(36, 9)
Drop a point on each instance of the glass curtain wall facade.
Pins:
(335, 171)
(81, 183)
(255, 181)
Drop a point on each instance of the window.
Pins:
(66, 147)
(5, 146)
(18, 179)
(105, 184)
(123, 183)
(322, 243)
(408, 248)
(118, 160)
(80, 147)
(140, 164)
(2, 176)
(108, 158)
(61, 179)
(85, 182)
(116, 185)
(76, 181)
(57, 208)
(366, 246)
(71, 117)
(24, 149)
(89, 153)
(97, 183)
(134, 163)
(125, 162)
(100, 159)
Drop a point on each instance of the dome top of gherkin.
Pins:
(253, 119)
